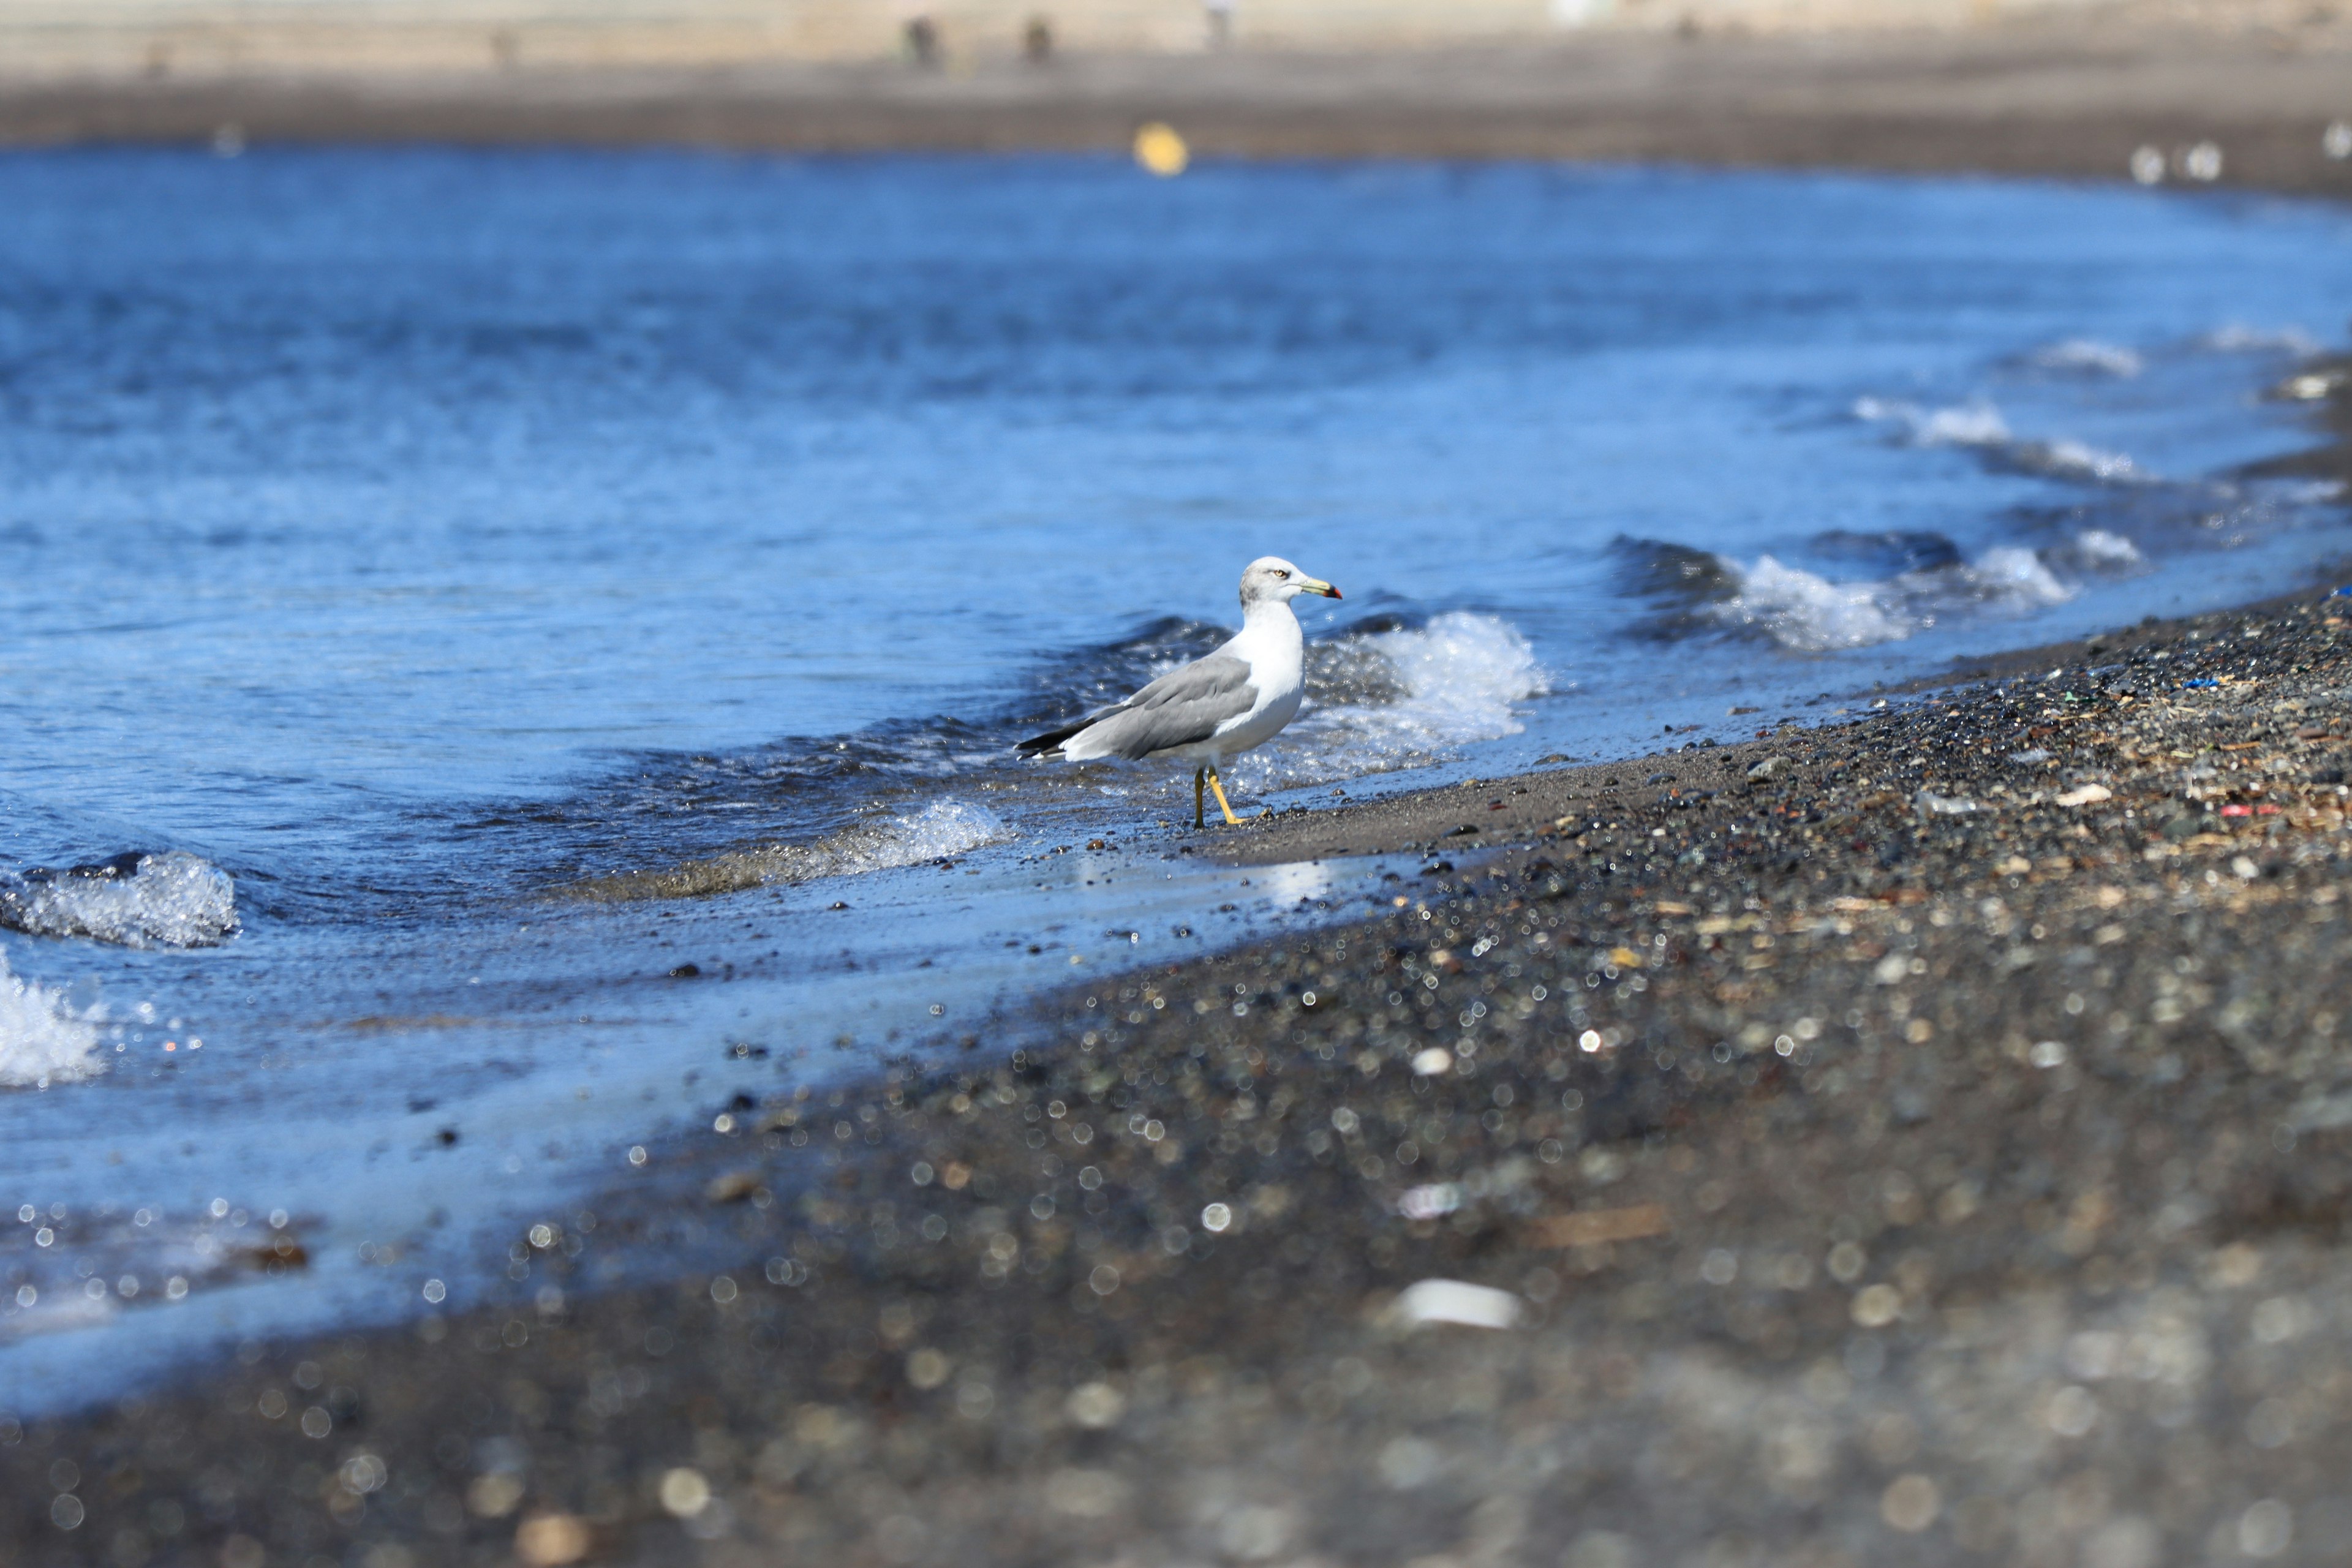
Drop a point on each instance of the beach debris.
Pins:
(2147, 166)
(275, 1256)
(2201, 162)
(1770, 768)
(2088, 795)
(2324, 1113)
(1431, 1201)
(550, 1539)
(731, 1187)
(1095, 1406)
(685, 1492)
(1433, 1062)
(2336, 139)
(1427, 1301)
(1935, 805)
(492, 1495)
(1590, 1228)
(2030, 756)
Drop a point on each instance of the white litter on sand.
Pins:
(1455, 1301)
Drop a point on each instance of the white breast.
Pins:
(1275, 650)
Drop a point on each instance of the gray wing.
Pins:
(1182, 707)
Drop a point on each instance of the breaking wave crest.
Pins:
(171, 900)
(43, 1039)
(1809, 612)
(1979, 426)
(1386, 696)
(936, 831)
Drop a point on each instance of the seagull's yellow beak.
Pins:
(1317, 586)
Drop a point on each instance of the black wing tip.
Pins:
(1049, 744)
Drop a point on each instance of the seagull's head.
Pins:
(1270, 577)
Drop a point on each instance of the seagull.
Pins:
(1216, 706)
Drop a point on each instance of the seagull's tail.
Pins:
(1048, 746)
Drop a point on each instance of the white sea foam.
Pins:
(171, 900)
(2075, 460)
(43, 1039)
(1395, 698)
(1961, 424)
(2100, 550)
(939, 830)
(1809, 614)
(2244, 339)
(1981, 425)
(1462, 675)
(2088, 355)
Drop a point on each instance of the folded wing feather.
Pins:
(1179, 709)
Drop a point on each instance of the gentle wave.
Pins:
(2088, 355)
(171, 900)
(940, 829)
(1808, 612)
(43, 1039)
(2244, 339)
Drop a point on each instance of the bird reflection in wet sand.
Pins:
(1218, 706)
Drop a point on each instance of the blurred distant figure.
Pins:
(1037, 41)
(506, 52)
(1221, 22)
(923, 42)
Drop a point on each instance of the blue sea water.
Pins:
(479, 584)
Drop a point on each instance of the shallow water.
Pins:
(525, 575)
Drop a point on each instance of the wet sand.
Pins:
(2058, 96)
(1926, 1137)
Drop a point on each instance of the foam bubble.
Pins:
(942, 828)
(171, 900)
(2088, 355)
(43, 1039)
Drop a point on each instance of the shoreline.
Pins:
(1879, 1144)
(2053, 97)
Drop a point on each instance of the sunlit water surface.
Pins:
(457, 590)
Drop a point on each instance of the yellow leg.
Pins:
(1199, 819)
(1231, 820)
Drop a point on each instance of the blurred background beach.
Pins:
(2067, 86)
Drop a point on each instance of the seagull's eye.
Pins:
(1280, 573)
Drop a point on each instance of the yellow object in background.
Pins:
(1159, 148)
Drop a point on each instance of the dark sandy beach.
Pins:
(2057, 96)
(1922, 1137)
